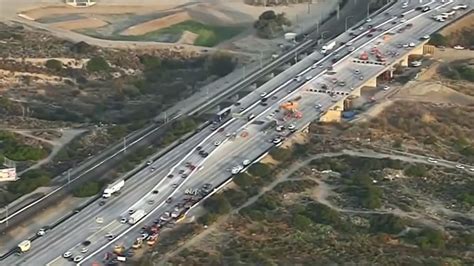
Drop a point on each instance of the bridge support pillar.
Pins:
(371, 82)
(331, 116)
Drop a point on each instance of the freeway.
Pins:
(225, 152)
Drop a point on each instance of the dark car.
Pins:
(169, 200)
(86, 243)
(198, 148)
(370, 35)
(154, 192)
(170, 176)
(101, 203)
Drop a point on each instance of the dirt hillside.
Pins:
(156, 24)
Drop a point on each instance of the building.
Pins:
(81, 3)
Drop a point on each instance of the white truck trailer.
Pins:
(328, 47)
(24, 246)
(135, 217)
(113, 188)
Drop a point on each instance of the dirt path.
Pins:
(67, 136)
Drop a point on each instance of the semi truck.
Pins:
(135, 217)
(328, 47)
(24, 246)
(113, 188)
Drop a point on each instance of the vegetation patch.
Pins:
(13, 147)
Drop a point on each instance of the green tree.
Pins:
(438, 40)
(217, 204)
(260, 169)
(235, 197)
(243, 180)
(97, 64)
(87, 189)
(29, 181)
(416, 170)
(387, 223)
(221, 64)
(281, 154)
(301, 222)
(54, 65)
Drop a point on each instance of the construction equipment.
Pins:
(291, 109)
(138, 243)
(151, 241)
(119, 249)
(24, 246)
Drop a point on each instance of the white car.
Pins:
(368, 20)
(351, 49)
(458, 47)
(456, 7)
(314, 66)
(41, 232)
(68, 254)
(84, 250)
(432, 160)
(263, 94)
(405, 45)
(276, 140)
(109, 236)
(459, 166)
(78, 258)
(308, 77)
(297, 78)
(318, 106)
(403, 20)
(291, 127)
(412, 44)
(357, 71)
(217, 143)
(471, 169)
(235, 170)
(426, 37)
(405, 5)
(279, 128)
(246, 162)
(385, 88)
(123, 220)
(349, 43)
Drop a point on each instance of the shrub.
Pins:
(54, 65)
(281, 154)
(259, 169)
(88, 189)
(96, 64)
(29, 181)
(301, 222)
(217, 204)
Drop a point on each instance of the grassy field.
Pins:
(209, 35)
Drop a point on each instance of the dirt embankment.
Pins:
(85, 23)
(156, 24)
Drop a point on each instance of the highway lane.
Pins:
(225, 144)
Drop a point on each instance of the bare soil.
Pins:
(156, 24)
(188, 37)
(86, 23)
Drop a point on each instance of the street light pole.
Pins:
(368, 9)
(124, 144)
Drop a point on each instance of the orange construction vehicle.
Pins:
(291, 109)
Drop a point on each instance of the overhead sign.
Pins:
(8, 174)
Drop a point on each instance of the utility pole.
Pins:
(68, 176)
(261, 59)
(124, 144)
(337, 12)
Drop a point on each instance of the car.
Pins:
(131, 212)
(155, 192)
(370, 35)
(67, 254)
(170, 176)
(78, 258)
(405, 5)
(41, 232)
(217, 143)
(297, 79)
(276, 140)
(109, 236)
(264, 104)
(246, 162)
(357, 71)
(460, 166)
(314, 66)
(181, 171)
(403, 20)
(123, 220)
(101, 203)
(308, 77)
(471, 169)
(351, 49)
(169, 200)
(342, 83)
(279, 128)
(425, 37)
(334, 80)
(405, 45)
(152, 169)
(149, 162)
(184, 175)
(394, 22)
(432, 160)
(350, 43)
(234, 170)
(456, 7)
(174, 185)
(412, 44)
(385, 87)
(150, 202)
(86, 243)
(318, 106)
(426, 9)
(291, 127)
(368, 20)
(205, 154)
(84, 250)
(263, 94)
(458, 47)
(361, 77)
